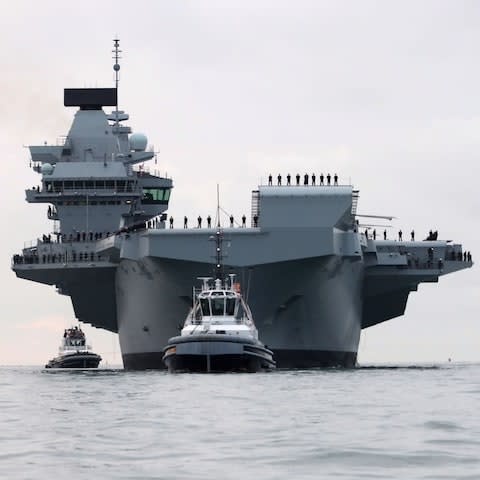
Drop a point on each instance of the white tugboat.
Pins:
(74, 352)
(219, 334)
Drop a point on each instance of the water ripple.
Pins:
(371, 422)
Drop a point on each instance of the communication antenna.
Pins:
(116, 68)
(218, 254)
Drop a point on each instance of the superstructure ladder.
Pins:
(255, 206)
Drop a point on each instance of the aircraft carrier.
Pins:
(312, 275)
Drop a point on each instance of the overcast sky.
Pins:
(384, 93)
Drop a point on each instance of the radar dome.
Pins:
(46, 169)
(138, 142)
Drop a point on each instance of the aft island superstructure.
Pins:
(311, 278)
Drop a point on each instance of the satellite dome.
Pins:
(46, 169)
(138, 142)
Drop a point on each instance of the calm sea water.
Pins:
(378, 422)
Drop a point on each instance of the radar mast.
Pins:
(116, 68)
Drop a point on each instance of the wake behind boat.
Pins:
(219, 334)
(74, 352)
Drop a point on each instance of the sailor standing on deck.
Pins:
(209, 221)
(270, 179)
(289, 177)
(171, 222)
(279, 179)
(185, 222)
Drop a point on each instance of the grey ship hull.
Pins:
(308, 312)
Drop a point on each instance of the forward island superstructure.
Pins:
(313, 280)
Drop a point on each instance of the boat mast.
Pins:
(218, 242)
(218, 254)
(116, 68)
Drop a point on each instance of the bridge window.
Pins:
(155, 195)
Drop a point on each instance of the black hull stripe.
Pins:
(284, 359)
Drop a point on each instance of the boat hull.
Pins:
(216, 353)
(308, 312)
(77, 360)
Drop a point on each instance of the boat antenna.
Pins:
(218, 253)
(218, 206)
(116, 68)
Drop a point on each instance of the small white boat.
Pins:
(74, 352)
(219, 334)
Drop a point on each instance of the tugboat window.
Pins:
(218, 305)
(198, 313)
(205, 306)
(230, 310)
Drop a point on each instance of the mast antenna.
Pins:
(218, 254)
(218, 206)
(116, 67)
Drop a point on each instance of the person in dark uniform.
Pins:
(209, 221)
(412, 235)
(185, 222)
(400, 235)
(279, 179)
(255, 220)
(270, 179)
(244, 221)
(231, 220)
(199, 222)
(385, 234)
(366, 233)
(321, 179)
(335, 179)
(313, 178)
(288, 179)
(328, 178)
(464, 256)
(374, 234)
(171, 222)
(298, 178)
(305, 179)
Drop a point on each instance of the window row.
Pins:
(116, 185)
(93, 202)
